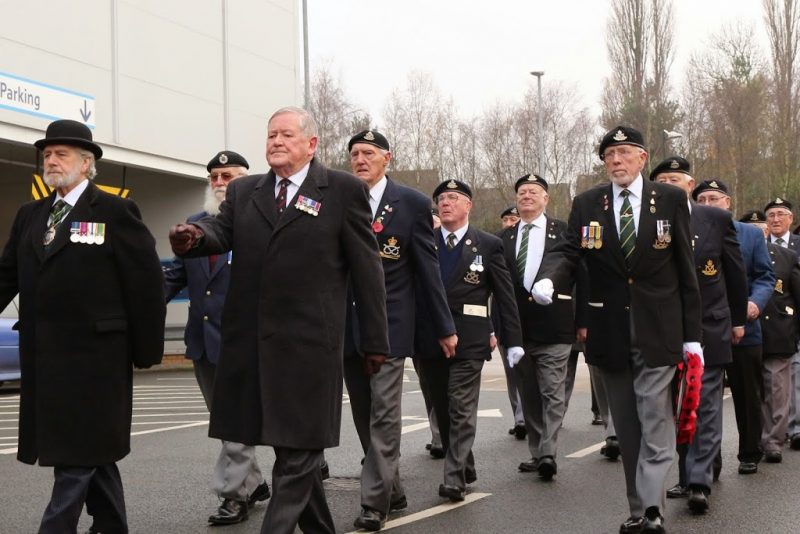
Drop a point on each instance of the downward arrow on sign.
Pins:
(85, 113)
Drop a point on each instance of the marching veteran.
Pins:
(91, 308)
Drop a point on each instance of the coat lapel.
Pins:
(311, 187)
(264, 198)
(80, 212)
(646, 231)
(551, 234)
(40, 225)
(467, 255)
(610, 233)
(390, 199)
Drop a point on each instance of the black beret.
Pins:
(621, 135)
(778, 203)
(227, 158)
(753, 216)
(509, 211)
(72, 133)
(530, 179)
(671, 164)
(452, 185)
(710, 185)
(370, 137)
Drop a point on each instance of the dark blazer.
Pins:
(87, 314)
(408, 252)
(760, 277)
(207, 290)
(542, 324)
(469, 291)
(279, 378)
(722, 278)
(660, 289)
(779, 326)
(793, 245)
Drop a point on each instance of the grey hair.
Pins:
(307, 123)
(92, 172)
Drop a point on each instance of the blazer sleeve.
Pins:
(762, 275)
(426, 272)
(175, 278)
(795, 277)
(582, 295)
(503, 296)
(687, 277)
(560, 264)
(142, 283)
(735, 274)
(9, 283)
(217, 230)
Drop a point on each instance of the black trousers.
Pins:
(100, 488)
(298, 496)
(744, 379)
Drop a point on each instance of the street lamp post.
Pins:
(668, 136)
(539, 74)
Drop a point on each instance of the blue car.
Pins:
(9, 345)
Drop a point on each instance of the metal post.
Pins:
(307, 82)
(540, 111)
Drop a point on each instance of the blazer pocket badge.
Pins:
(308, 205)
(779, 286)
(663, 235)
(592, 236)
(89, 233)
(710, 269)
(391, 250)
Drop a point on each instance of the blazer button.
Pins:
(766, 318)
(630, 280)
(627, 308)
(205, 317)
(208, 292)
(530, 299)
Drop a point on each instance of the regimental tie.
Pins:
(281, 198)
(627, 230)
(451, 241)
(57, 214)
(780, 241)
(522, 255)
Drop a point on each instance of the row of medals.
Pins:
(88, 233)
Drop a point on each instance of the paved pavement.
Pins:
(167, 474)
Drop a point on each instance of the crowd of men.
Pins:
(305, 279)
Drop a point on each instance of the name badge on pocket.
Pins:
(475, 310)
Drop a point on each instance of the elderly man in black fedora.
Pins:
(91, 307)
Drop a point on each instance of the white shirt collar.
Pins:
(459, 232)
(73, 196)
(785, 237)
(299, 177)
(377, 190)
(539, 222)
(635, 187)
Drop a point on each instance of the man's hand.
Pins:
(492, 341)
(514, 355)
(737, 333)
(752, 311)
(542, 291)
(372, 363)
(448, 345)
(183, 237)
(581, 334)
(693, 347)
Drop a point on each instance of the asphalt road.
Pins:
(167, 474)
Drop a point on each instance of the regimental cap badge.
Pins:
(754, 216)
(713, 184)
(392, 241)
(620, 136)
(779, 200)
(369, 136)
(223, 159)
(514, 211)
(674, 165)
(452, 184)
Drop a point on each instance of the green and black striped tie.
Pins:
(627, 230)
(522, 255)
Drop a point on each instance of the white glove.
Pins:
(693, 347)
(542, 291)
(514, 355)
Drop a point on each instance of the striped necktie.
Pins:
(522, 255)
(451, 241)
(627, 231)
(780, 242)
(57, 214)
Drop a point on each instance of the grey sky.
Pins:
(481, 52)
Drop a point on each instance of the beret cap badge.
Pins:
(754, 216)
(223, 159)
(452, 184)
(674, 165)
(369, 136)
(620, 136)
(779, 200)
(713, 184)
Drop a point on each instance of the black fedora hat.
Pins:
(68, 132)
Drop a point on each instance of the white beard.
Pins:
(212, 201)
(61, 180)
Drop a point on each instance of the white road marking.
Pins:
(167, 414)
(166, 407)
(12, 450)
(490, 380)
(165, 403)
(168, 379)
(177, 427)
(412, 428)
(430, 512)
(166, 422)
(155, 386)
(494, 412)
(587, 451)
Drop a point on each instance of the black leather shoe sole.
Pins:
(452, 493)
(748, 468)
(547, 469)
(228, 516)
(398, 504)
(531, 466)
(261, 493)
(368, 523)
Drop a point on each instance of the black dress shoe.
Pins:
(773, 457)
(261, 493)
(794, 442)
(229, 512)
(531, 466)
(653, 522)
(748, 468)
(324, 470)
(597, 419)
(470, 476)
(611, 449)
(547, 468)
(677, 491)
(520, 432)
(398, 503)
(632, 525)
(451, 492)
(437, 452)
(511, 430)
(698, 500)
(370, 520)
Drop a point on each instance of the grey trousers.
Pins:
(640, 399)
(512, 385)
(700, 454)
(541, 376)
(436, 438)
(794, 413)
(236, 473)
(376, 405)
(777, 376)
(596, 376)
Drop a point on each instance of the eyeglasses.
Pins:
(451, 197)
(224, 176)
(622, 152)
(711, 199)
(778, 215)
